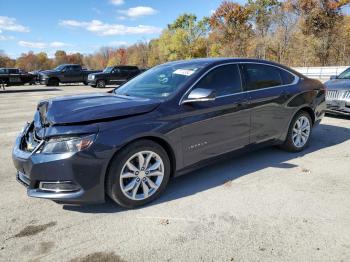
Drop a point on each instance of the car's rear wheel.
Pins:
(53, 82)
(299, 132)
(138, 174)
(101, 84)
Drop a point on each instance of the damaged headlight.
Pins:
(60, 145)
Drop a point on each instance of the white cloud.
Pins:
(138, 11)
(5, 37)
(105, 29)
(10, 24)
(117, 2)
(42, 45)
(57, 44)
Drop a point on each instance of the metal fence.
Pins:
(321, 73)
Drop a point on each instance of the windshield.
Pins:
(108, 69)
(160, 81)
(59, 68)
(345, 74)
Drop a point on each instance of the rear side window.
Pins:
(13, 71)
(225, 80)
(287, 77)
(76, 68)
(258, 76)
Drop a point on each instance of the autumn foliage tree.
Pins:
(292, 32)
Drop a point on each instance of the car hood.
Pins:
(91, 108)
(99, 74)
(48, 72)
(338, 84)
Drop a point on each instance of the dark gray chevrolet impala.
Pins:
(173, 118)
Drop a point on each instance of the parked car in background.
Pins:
(66, 73)
(338, 94)
(15, 76)
(36, 75)
(172, 118)
(113, 75)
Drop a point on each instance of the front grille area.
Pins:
(337, 94)
(346, 95)
(333, 94)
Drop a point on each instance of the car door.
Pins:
(72, 74)
(216, 127)
(114, 76)
(269, 89)
(14, 76)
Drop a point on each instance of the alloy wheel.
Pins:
(142, 175)
(301, 131)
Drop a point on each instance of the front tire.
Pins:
(53, 82)
(299, 132)
(138, 174)
(101, 84)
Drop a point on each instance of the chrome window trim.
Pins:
(296, 79)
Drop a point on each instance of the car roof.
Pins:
(208, 62)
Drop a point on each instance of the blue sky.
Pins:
(86, 25)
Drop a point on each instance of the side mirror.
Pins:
(333, 77)
(200, 95)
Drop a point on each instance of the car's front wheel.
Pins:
(299, 132)
(101, 84)
(138, 174)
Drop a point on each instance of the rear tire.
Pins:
(53, 82)
(100, 83)
(138, 174)
(299, 133)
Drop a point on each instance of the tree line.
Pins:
(291, 32)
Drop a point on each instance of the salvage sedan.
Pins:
(338, 94)
(173, 118)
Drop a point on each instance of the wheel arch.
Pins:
(308, 110)
(160, 141)
(305, 108)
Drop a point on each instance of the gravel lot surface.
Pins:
(266, 206)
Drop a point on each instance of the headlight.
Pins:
(44, 76)
(92, 77)
(62, 145)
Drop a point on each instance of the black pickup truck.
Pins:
(15, 76)
(67, 73)
(113, 75)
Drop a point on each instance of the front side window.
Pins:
(160, 81)
(108, 69)
(60, 67)
(258, 76)
(345, 74)
(225, 80)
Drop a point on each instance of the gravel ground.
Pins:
(266, 206)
